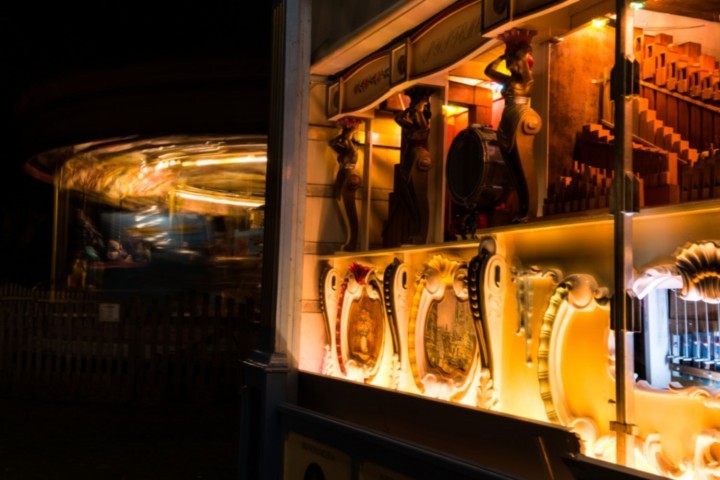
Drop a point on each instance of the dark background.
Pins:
(80, 71)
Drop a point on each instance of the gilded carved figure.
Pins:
(519, 122)
(347, 181)
(408, 217)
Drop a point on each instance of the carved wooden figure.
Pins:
(409, 213)
(347, 181)
(519, 123)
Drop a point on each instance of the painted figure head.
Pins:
(517, 46)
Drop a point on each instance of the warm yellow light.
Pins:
(453, 110)
(223, 200)
(163, 164)
(473, 82)
(203, 162)
(599, 22)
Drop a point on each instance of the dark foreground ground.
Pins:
(46, 440)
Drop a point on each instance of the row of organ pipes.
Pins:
(675, 138)
(694, 337)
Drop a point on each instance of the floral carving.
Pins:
(487, 396)
(360, 272)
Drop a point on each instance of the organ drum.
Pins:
(478, 180)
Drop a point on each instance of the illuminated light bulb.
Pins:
(599, 22)
(637, 5)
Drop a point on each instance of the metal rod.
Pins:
(716, 334)
(708, 344)
(624, 205)
(365, 217)
(697, 354)
(709, 353)
(676, 354)
(686, 336)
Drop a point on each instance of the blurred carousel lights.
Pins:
(494, 86)
(222, 199)
(205, 162)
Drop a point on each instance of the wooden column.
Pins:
(541, 104)
(366, 188)
(271, 370)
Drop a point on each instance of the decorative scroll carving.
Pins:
(390, 286)
(395, 292)
(338, 326)
(574, 293)
(709, 397)
(699, 267)
(653, 452)
(525, 291)
(519, 123)
(543, 355)
(328, 368)
(478, 269)
(706, 461)
(409, 213)
(487, 395)
(486, 286)
(664, 276)
(347, 181)
(328, 306)
(442, 347)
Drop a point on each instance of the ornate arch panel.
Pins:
(442, 341)
(574, 351)
(362, 340)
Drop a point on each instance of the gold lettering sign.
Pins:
(366, 84)
(447, 41)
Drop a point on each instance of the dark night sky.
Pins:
(40, 42)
